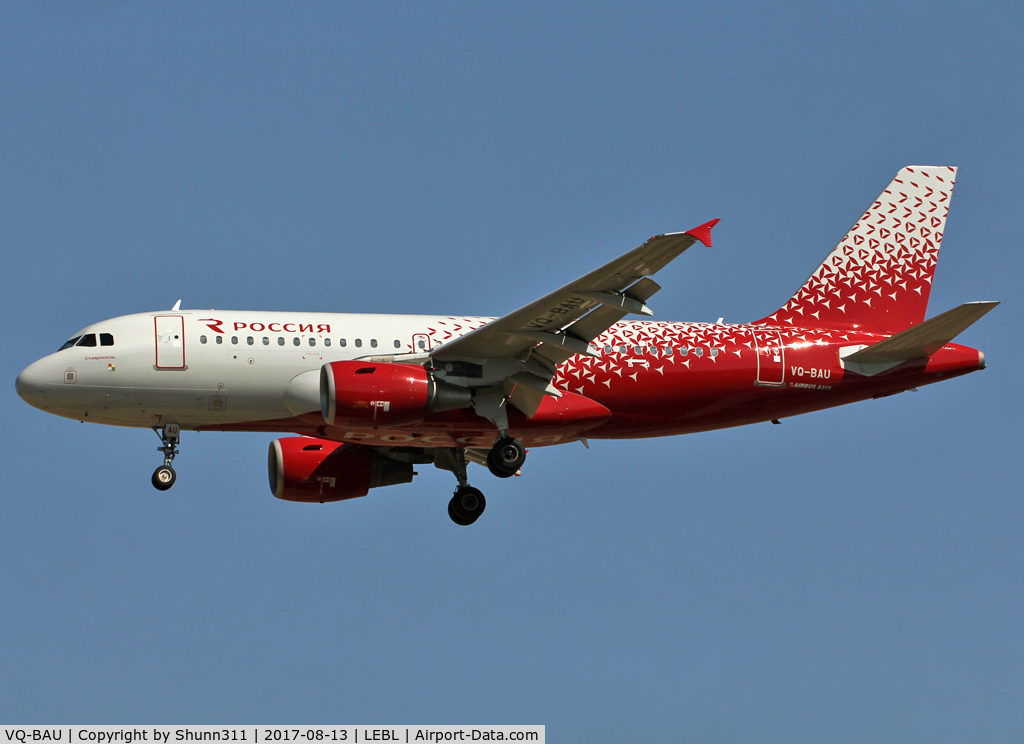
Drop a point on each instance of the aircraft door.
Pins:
(771, 361)
(170, 342)
(420, 343)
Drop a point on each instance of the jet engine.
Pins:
(383, 394)
(311, 470)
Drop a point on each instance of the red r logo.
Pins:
(213, 324)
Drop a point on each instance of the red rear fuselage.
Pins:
(658, 379)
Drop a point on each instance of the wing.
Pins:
(523, 349)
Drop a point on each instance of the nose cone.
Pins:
(31, 384)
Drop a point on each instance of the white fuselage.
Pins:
(225, 366)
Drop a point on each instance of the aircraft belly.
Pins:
(209, 392)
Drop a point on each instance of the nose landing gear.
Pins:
(164, 476)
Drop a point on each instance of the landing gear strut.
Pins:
(506, 457)
(468, 503)
(164, 476)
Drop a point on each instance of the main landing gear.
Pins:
(504, 459)
(468, 503)
(164, 476)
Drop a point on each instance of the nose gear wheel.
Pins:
(164, 476)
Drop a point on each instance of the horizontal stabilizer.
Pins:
(925, 339)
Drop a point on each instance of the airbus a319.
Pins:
(371, 396)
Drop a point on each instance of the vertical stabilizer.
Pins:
(880, 274)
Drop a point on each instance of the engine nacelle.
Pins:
(383, 394)
(319, 470)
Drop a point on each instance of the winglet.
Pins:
(703, 232)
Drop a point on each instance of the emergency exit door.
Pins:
(170, 342)
(771, 361)
(420, 343)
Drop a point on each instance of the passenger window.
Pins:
(341, 342)
(234, 339)
(668, 351)
(220, 339)
(106, 339)
(623, 349)
(714, 352)
(280, 340)
(266, 341)
(422, 344)
(327, 342)
(250, 340)
(398, 344)
(312, 341)
(373, 343)
(698, 351)
(683, 351)
(69, 344)
(638, 349)
(88, 339)
(607, 349)
(295, 341)
(359, 342)
(202, 339)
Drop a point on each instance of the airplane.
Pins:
(371, 396)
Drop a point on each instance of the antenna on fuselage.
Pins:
(177, 307)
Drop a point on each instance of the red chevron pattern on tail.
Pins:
(880, 274)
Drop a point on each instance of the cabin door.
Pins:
(170, 342)
(771, 358)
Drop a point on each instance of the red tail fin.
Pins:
(880, 274)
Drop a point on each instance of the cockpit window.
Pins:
(69, 344)
(88, 339)
(106, 339)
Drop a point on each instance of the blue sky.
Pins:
(852, 575)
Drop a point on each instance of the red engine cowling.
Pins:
(319, 470)
(383, 394)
